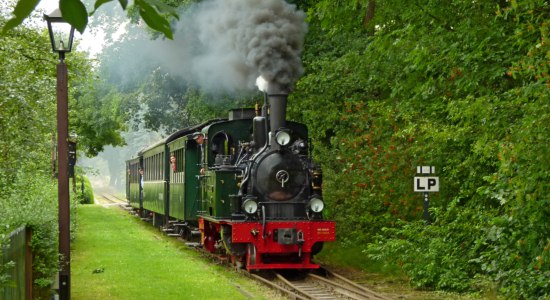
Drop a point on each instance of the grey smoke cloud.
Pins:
(224, 45)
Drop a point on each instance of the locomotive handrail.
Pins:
(154, 181)
(264, 223)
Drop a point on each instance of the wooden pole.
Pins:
(63, 179)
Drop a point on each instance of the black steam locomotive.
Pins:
(246, 186)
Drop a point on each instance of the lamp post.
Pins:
(61, 36)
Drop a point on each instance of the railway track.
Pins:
(110, 200)
(320, 284)
(323, 285)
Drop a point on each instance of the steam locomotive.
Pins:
(245, 186)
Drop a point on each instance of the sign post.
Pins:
(426, 185)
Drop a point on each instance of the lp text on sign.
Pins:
(426, 184)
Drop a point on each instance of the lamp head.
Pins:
(61, 32)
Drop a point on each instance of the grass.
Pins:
(349, 256)
(116, 256)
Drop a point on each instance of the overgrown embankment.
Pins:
(461, 86)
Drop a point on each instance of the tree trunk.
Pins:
(369, 17)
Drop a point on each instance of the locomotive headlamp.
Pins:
(282, 137)
(316, 205)
(250, 206)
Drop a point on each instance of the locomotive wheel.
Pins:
(185, 233)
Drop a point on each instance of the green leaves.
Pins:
(21, 11)
(454, 85)
(155, 13)
(74, 12)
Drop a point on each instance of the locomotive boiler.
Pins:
(245, 186)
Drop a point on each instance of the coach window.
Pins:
(145, 168)
(181, 166)
(157, 166)
(161, 166)
(148, 169)
(151, 173)
(161, 160)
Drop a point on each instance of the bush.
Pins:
(468, 245)
(31, 199)
(84, 193)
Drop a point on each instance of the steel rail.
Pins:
(280, 288)
(349, 291)
(296, 288)
(358, 286)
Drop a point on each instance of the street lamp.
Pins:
(61, 33)
(61, 36)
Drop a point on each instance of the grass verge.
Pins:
(116, 256)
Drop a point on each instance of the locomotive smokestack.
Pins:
(277, 111)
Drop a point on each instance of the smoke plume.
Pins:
(225, 45)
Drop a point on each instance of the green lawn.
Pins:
(116, 256)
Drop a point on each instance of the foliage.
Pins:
(155, 13)
(84, 193)
(28, 193)
(37, 209)
(97, 118)
(461, 86)
(26, 99)
(5, 279)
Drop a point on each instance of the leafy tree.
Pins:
(98, 119)
(26, 99)
(452, 85)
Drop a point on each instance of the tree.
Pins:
(27, 99)
(454, 85)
